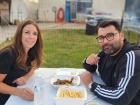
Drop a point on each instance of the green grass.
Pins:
(132, 36)
(3, 44)
(68, 48)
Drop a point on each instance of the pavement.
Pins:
(8, 31)
(61, 26)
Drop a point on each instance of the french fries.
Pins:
(69, 93)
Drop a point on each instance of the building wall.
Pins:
(46, 9)
(32, 8)
(82, 7)
(19, 11)
(4, 13)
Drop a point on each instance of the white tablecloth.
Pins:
(50, 91)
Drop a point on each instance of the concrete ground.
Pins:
(61, 26)
(6, 32)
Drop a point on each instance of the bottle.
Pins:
(38, 90)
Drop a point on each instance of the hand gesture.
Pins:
(86, 77)
(92, 59)
(25, 93)
(20, 81)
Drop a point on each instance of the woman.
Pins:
(19, 60)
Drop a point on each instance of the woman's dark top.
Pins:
(9, 67)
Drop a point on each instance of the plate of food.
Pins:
(65, 80)
(71, 95)
(67, 71)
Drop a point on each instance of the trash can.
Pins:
(90, 29)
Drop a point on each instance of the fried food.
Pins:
(67, 93)
(63, 82)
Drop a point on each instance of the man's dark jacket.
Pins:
(121, 74)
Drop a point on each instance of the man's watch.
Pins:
(90, 85)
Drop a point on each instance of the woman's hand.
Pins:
(25, 93)
(20, 81)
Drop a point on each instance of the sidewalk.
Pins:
(6, 32)
(44, 26)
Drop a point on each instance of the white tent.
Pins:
(18, 11)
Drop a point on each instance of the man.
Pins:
(118, 65)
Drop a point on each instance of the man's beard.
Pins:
(110, 49)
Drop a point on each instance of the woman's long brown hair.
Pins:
(36, 50)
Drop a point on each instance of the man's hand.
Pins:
(92, 59)
(86, 77)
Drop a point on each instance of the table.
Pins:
(50, 91)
